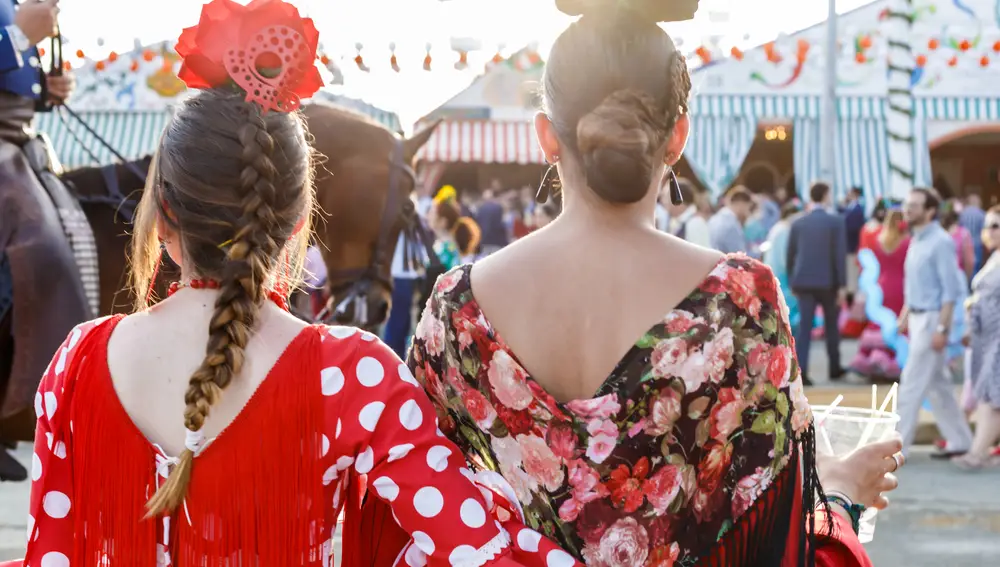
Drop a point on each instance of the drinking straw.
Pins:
(894, 392)
(870, 428)
(874, 396)
(822, 418)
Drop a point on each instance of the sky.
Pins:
(100, 26)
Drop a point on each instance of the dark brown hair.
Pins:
(739, 194)
(614, 88)
(818, 192)
(464, 230)
(234, 183)
(932, 199)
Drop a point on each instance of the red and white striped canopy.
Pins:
(483, 141)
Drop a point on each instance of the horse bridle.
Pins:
(122, 204)
(350, 288)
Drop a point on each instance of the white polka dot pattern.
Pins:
(472, 514)
(437, 458)
(399, 451)
(428, 501)
(375, 424)
(55, 559)
(424, 542)
(410, 416)
(332, 380)
(370, 372)
(56, 504)
(386, 488)
(527, 539)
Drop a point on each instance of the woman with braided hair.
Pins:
(646, 407)
(214, 428)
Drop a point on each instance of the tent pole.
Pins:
(828, 126)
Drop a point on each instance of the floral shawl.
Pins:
(695, 423)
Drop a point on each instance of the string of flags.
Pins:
(953, 48)
(332, 63)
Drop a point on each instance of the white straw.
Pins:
(867, 433)
(874, 395)
(819, 423)
(894, 393)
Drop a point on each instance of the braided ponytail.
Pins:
(259, 234)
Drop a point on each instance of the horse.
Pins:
(363, 179)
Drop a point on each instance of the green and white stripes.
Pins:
(899, 115)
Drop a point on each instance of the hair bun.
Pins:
(652, 10)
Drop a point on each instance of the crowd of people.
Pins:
(936, 272)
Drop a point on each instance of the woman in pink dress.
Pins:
(874, 358)
(963, 239)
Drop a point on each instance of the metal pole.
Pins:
(828, 127)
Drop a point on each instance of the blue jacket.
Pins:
(18, 69)
(817, 252)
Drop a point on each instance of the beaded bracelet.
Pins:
(853, 510)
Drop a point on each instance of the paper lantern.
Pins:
(427, 58)
(134, 67)
(736, 53)
(860, 57)
(112, 57)
(79, 53)
(324, 60)
(865, 42)
(704, 54)
(933, 44)
(393, 62)
(921, 60)
(148, 55)
(359, 60)
(984, 61)
(953, 62)
(99, 65)
(996, 47)
(965, 45)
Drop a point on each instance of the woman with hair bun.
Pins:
(639, 393)
(458, 236)
(214, 428)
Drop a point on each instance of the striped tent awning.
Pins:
(131, 133)
(483, 141)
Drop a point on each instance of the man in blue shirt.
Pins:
(35, 257)
(933, 285)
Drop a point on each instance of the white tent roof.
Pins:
(948, 70)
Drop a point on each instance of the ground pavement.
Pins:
(939, 515)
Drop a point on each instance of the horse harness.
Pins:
(356, 284)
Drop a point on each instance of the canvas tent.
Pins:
(957, 46)
(129, 101)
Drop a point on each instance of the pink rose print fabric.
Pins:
(690, 429)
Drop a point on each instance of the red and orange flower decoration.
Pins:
(266, 48)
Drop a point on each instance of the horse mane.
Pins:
(88, 181)
(354, 133)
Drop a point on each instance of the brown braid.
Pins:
(259, 234)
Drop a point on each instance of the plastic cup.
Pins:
(842, 430)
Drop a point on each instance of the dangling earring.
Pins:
(676, 197)
(551, 184)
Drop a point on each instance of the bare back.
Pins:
(570, 302)
(151, 356)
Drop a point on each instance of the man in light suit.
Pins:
(817, 251)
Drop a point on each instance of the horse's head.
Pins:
(363, 184)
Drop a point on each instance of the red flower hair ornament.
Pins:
(265, 48)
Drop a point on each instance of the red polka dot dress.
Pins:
(339, 413)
